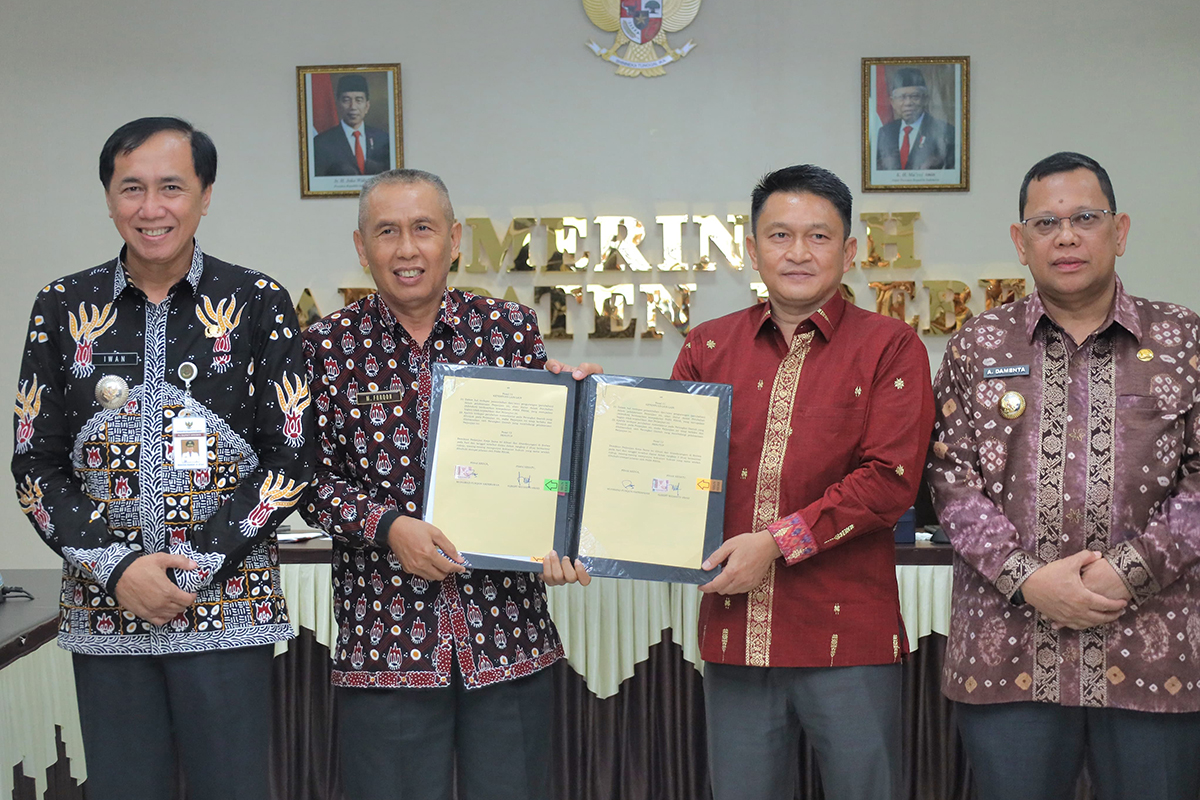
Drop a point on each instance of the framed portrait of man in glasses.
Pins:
(916, 124)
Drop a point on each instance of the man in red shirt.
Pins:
(831, 407)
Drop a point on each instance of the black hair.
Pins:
(353, 83)
(132, 135)
(1066, 161)
(906, 76)
(802, 179)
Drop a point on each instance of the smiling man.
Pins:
(831, 413)
(432, 660)
(352, 147)
(160, 438)
(1065, 469)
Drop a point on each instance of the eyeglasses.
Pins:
(1083, 221)
(902, 97)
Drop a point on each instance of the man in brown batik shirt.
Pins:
(1064, 468)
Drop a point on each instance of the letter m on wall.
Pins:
(498, 254)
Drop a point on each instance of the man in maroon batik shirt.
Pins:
(431, 659)
(1064, 468)
(831, 412)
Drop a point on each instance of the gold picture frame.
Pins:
(331, 163)
(916, 124)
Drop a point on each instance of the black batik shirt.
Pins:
(394, 628)
(99, 484)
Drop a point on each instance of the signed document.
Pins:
(649, 463)
(498, 442)
(623, 472)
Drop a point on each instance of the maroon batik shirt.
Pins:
(1103, 457)
(396, 629)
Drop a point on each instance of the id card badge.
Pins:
(189, 442)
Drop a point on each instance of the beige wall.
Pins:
(505, 102)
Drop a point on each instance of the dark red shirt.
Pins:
(394, 628)
(828, 439)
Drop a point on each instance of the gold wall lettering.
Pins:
(613, 307)
(672, 241)
(557, 329)
(890, 231)
(619, 238)
(714, 232)
(563, 237)
(1001, 291)
(500, 255)
(675, 308)
(548, 258)
(947, 305)
(891, 299)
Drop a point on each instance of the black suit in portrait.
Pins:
(333, 155)
(930, 147)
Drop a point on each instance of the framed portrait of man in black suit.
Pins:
(916, 124)
(350, 126)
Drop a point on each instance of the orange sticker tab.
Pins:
(709, 485)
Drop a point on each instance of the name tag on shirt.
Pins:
(116, 359)
(189, 443)
(370, 398)
(1006, 372)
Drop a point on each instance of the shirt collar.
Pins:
(1123, 312)
(445, 313)
(825, 319)
(121, 275)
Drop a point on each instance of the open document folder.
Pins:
(625, 473)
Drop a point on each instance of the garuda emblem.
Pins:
(641, 27)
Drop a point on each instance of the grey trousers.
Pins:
(1035, 751)
(851, 715)
(401, 744)
(213, 709)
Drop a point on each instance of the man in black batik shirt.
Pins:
(162, 433)
(430, 658)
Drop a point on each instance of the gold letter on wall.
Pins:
(563, 237)
(891, 299)
(712, 231)
(499, 254)
(947, 305)
(1000, 291)
(614, 311)
(893, 230)
(660, 303)
(558, 308)
(619, 240)
(672, 241)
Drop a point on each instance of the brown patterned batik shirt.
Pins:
(1104, 457)
(371, 387)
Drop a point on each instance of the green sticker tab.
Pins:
(558, 486)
